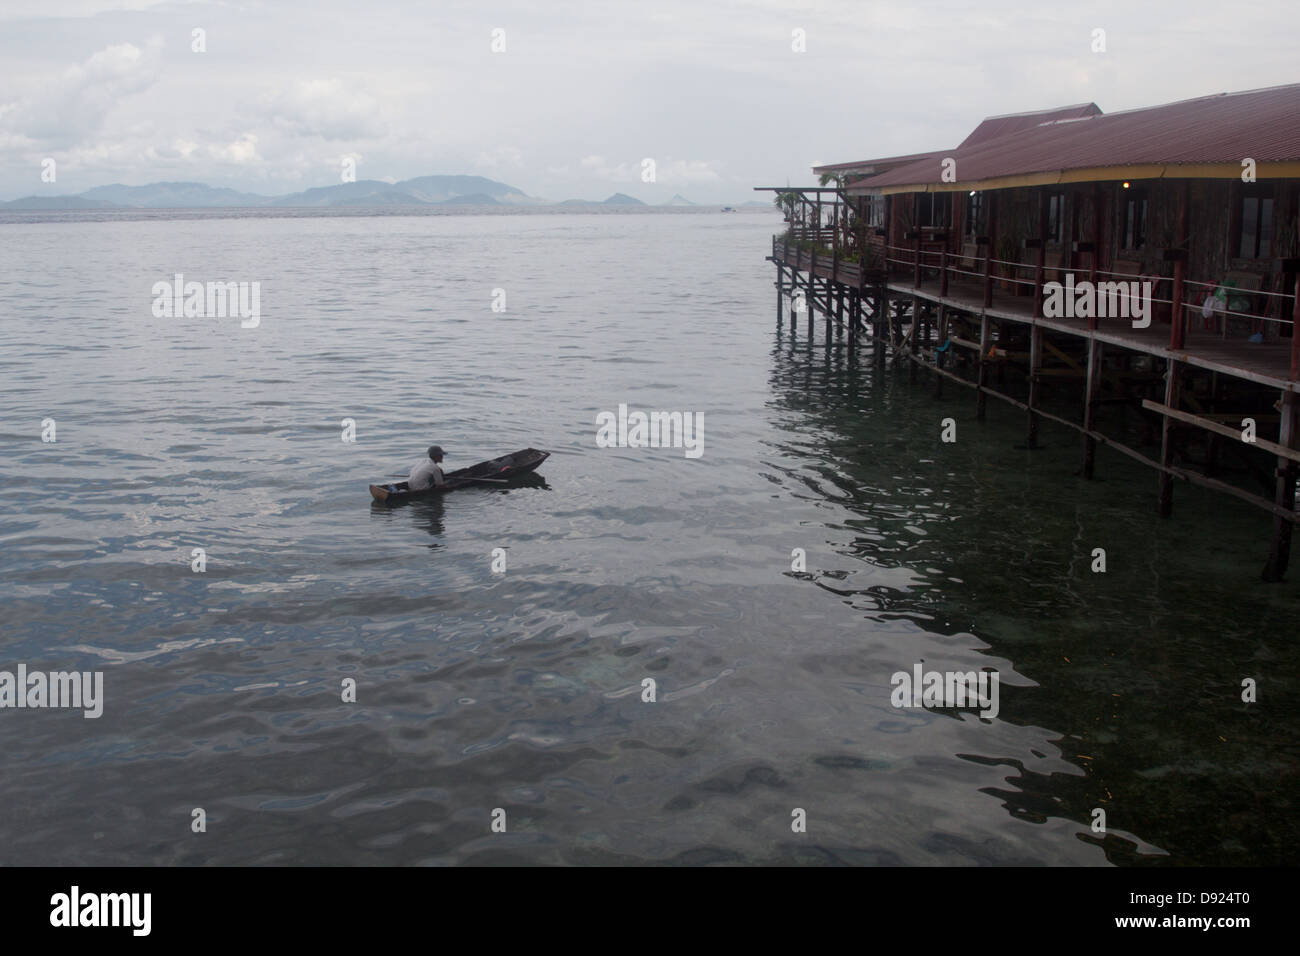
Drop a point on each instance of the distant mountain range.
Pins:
(421, 191)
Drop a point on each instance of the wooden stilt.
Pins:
(1173, 390)
(981, 399)
(1035, 366)
(881, 323)
(780, 295)
(1280, 550)
(1091, 390)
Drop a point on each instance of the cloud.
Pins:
(329, 108)
(241, 152)
(503, 157)
(69, 108)
(668, 171)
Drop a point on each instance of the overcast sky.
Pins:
(583, 92)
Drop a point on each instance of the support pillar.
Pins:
(780, 295)
(1173, 389)
(1091, 392)
(981, 399)
(1280, 550)
(1035, 365)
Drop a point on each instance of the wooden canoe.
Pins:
(505, 467)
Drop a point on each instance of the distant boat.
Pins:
(727, 209)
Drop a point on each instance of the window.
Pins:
(1055, 216)
(1256, 221)
(875, 211)
(1134, 234)
(976, 218)
(933, 209)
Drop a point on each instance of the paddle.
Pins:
(502, 481)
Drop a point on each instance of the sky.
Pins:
(718, 94)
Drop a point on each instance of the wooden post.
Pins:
(1092, 388)
(988, 249)
(881, 323)
(1042, 251)
(832, 291)
(938, 356)
(943, 272)
(810, 296)
(889, 234)
(1035, 364)
(981, 398)
(1177, 321)
(1173, 390)
(835, 233)
(780, 295)
(1096, 234)
(916, 258)
(1280, 551)
(915, 335)
(1295, 331)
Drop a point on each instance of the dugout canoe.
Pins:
(498, 469)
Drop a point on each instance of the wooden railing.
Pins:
(1271, 313)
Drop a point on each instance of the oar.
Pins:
(502, 481)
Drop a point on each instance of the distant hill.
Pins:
(443, 188)
(420, 191)
(423, 190)
(173, 196)
(473, 199)
(58, 202)
(379, 198)
(361, 192)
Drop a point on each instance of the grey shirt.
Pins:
(424, 475)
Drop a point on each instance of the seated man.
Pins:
(427, 474)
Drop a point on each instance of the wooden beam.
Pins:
(1213, 426)
(1059, 354)
(1190, 477)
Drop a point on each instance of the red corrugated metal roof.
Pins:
(995, 126)
(990, 128)
(885, 162)
(1225, 128)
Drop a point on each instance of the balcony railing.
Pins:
(1271, 314)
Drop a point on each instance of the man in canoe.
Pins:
(428, 473)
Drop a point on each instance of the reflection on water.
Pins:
(1135, 673)
(525, 690)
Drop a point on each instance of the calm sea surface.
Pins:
(522, 690)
